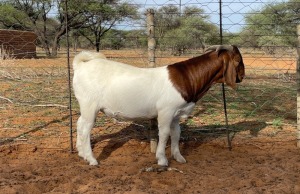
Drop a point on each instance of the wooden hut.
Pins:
(17, 44)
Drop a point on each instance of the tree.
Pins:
(102, 15)
(166, 18)
(117, 39)
(274, 25)
(35, 15)
(113, 39)
(27, 15)
(75, 16)
(180, 31)
(136, 39)
(47, 18)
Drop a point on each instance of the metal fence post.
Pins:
(69, 79)
(223, 85)
(298, 88)
(151, 63)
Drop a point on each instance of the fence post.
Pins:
(223, 85)
(298, 88)
(151, 63)
(151, 38)
(69, 79)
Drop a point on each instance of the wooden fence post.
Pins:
(151, 38)
(151, 63)
(298, 88)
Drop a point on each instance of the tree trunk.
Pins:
(54, 48)
(43, 41)
(56, 40)
(47, 50)
(97, 46)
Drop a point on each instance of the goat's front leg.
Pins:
(175, 136)
(164, 122)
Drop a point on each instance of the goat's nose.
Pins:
(239, 78)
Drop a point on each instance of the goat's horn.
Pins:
(217, 48)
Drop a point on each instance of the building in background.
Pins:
(17, 44)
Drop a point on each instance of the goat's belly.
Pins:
(129, 102)
(128, 114)
(134, 109)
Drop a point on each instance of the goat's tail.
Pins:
(86, 56)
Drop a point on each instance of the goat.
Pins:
(164, 93)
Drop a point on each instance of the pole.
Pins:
(180, 7)
(298, 88)
(69, 79)
(223, 85)
(151, 38)
(151, 63)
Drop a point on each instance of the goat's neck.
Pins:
(194, 77)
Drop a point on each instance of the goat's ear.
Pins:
(230, 74)
(236, 57)
(236, 60)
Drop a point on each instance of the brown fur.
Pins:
(193, 77)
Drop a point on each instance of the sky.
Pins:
(233, 10)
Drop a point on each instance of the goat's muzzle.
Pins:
(238, 79)
(240, 72)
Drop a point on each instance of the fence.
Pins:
(34, 93)
(17, 44)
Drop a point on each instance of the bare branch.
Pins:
(49, 105)
(7, 99)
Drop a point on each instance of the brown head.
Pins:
(193, 77)
(234, 70)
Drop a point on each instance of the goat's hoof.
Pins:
(80, 154)
(162, 162)
(179, 158)
(93, 162)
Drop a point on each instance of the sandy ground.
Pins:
(266, 161)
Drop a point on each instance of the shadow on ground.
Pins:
(200, 134)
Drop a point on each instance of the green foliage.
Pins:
(182, 31)
(92, 19)
(11, 17)
(102, 16)
(113, 39)
(95, 21)
(277, 123)
(274, 25)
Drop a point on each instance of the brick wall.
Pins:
(18, 44)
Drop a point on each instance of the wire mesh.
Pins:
(34, 93)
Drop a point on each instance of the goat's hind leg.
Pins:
(84, 126)
(78, 140)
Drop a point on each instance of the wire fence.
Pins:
(34, 93)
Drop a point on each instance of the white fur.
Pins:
(124, 91)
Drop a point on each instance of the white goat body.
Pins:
(124, 91)
(166, 93)
(128, 92)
